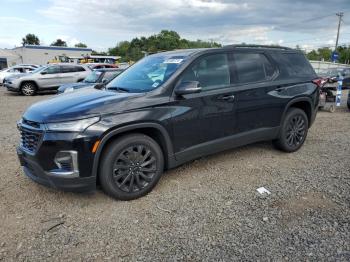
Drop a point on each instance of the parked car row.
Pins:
(25, 68)
(44, 78)
(31, 79)
(98, 76)
(335, 74)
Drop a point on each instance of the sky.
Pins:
(103, 23)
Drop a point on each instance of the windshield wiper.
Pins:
(119, 89)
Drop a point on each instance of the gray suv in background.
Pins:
(45, 78)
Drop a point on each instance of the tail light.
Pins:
(320, 82)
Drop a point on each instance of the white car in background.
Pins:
(18, 69)
(45, 78)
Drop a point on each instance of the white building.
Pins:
(37, 54)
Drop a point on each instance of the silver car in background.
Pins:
(17, 69)
(45, 78)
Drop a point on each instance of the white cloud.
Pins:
(103, 23)
(71, 41)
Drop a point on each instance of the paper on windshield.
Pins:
(173, 61)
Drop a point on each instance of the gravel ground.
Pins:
(203, 211)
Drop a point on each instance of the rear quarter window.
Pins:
(295, 65)
(79, 69)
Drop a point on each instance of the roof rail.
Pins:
(258, 46)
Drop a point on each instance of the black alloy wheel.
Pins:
(134, 168)
(131, 166)
(293, 130)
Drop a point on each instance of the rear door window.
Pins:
(252, 67)
(68, 69)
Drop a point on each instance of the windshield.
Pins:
(147, 74)
(93, 77)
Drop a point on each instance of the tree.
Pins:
(164, 41)
(313, 55)
(59, 42)
(80, 45)
(30, 39)
(323, 53)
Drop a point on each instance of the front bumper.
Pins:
(41, 164)
(34, 171)
(11, 86)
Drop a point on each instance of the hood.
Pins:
(17, 75)
(75, 85)
(77, 105)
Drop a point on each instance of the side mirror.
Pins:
(43, 73)
(188, 87)
(99, 86)
(104, 81)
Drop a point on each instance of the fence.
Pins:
(320, 66)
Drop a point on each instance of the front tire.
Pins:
(131, 167)
(293, 131)
(28, 89)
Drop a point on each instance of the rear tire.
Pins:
(293, 131)
(131, 166)
(28, 89)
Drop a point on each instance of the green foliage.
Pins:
(80, 45)
(325, 54)
(344, 54)
(164, 41)
(59, 42)
(30, 39)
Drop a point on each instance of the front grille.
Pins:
(31, 123)
(30, 139)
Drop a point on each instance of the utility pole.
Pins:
(340, 15)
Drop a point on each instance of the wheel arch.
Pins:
(153, 130)
(303, 103)
(29, 81)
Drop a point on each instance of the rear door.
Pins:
(69, 74)
(49, 77)
(208, 115)
(256, 108)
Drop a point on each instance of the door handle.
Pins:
(227, 98)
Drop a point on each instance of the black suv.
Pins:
(165, 110)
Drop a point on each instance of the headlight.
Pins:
(69, 89)
(72, 126)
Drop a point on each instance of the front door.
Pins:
(203, 117)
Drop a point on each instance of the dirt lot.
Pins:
(205, 210)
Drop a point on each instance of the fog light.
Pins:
(67, 163)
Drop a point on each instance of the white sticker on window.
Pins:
(155, 84)
(173, 61)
